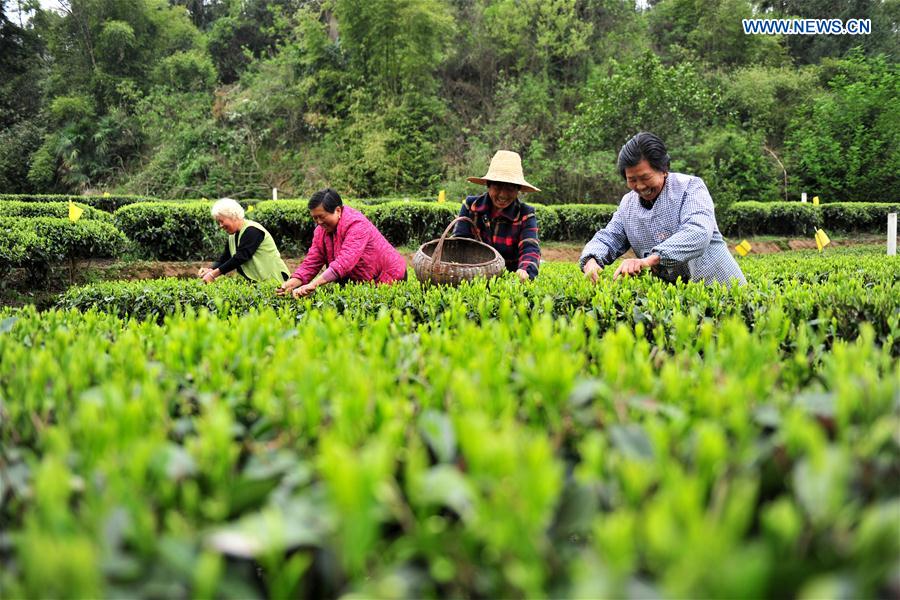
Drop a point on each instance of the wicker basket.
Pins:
(449, 261)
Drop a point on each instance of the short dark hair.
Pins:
(642, 146)
(327, 199)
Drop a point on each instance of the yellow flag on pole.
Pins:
(815, 200)
(743, 248)
(75, 211)
(442, 196)
(821, 239)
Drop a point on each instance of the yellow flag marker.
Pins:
(815, 200)
(442, 196)
(821, 239)
(75, 211)
(743, 248)
(106, 194)
(250, 208)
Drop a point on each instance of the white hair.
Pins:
(227, 208)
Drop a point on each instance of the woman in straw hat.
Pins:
(502, 220)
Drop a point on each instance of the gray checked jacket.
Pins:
(680, 227)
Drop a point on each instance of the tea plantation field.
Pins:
(555, 438)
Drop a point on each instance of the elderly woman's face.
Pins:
(645, 180)
(502, 194)
(229, 224)
(328, 221)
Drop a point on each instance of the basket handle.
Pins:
(439, 249)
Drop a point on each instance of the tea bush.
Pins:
(184, 230)
(35, 243)
(59, 210)
(841, 290)
(497, 439)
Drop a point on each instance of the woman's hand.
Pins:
(203, 271)
(633, 266)
(592, 270)
(523, 275)
(304, 290)
(287, 286)
(210, 275)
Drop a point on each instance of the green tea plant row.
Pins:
(183, 230)
(838, 291)
(112, 202)
(57, 210)
(454, 447)
(34, 243)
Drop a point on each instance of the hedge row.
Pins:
(112, 203)
(184, 230)
(795, 218)
(108, 204)
(59, 210)
(105, 203)
(34, 243)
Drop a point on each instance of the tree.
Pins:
(845, 144)
(395, 45)
(618, 105)
(20, 71)
(97, 45)
(711, 31)
(811, 49)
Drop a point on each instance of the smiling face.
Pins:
(229, 224)
(328, 221)
(645, 180)
(502, 194)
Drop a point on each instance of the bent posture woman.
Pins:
(347, 244)
(249, 249)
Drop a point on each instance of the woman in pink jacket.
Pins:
(349, 247)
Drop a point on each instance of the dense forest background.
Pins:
(191, 98)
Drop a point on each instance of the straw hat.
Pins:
(506, 167)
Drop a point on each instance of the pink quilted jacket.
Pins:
(356, 251)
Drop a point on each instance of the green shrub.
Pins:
(18, 248)
(289, 223)
(855, 217)
(579, 222)
(36, 243)
(110, 203)
(411, 223)
(704, 441)
(59, 210)
(171, 230)
(769, 218)
(105, 203)
(63, 239)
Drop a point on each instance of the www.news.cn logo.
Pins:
(807, 26)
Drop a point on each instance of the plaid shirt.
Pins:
(680, 227)
(513, 232)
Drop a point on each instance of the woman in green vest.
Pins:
(250, 248)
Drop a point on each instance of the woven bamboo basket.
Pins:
(452, 260)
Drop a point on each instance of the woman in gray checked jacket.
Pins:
(668, 220)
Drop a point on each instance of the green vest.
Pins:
(266, 263)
